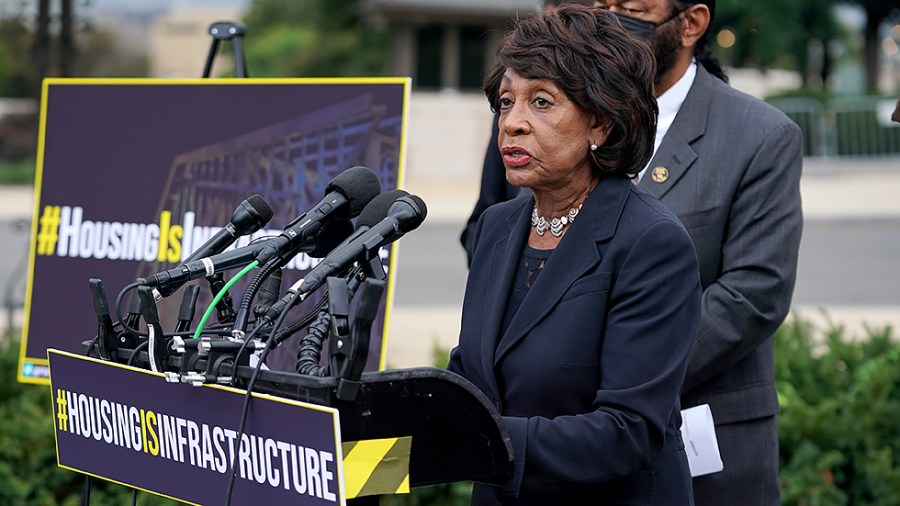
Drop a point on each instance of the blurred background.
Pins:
(832, 65)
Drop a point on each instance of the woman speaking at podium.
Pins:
(583, 300)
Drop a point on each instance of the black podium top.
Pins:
(457, 434)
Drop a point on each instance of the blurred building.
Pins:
(444, 45)
(179, 41)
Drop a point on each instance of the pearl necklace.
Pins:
(555, 225)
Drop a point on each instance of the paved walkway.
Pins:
(16, 202)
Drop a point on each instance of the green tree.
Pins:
(771, 33)
(312, 38)
(96, 55)
(18, 75)
(877, 12)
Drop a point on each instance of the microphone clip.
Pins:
(107, 339)
(349, 344)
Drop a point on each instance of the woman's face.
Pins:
(544, 137)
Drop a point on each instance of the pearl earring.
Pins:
(593, 147)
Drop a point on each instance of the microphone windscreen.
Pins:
(377, 209)
(359, 185)
(333, 233)
(261, 207)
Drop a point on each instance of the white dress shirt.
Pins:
(669, 103)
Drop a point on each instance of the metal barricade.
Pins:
(844, 126)
(15, 233)
(858, 131)
(809, 114)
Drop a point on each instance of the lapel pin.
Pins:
(659, 174)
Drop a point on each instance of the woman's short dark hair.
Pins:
(604, 70)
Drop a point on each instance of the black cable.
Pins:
(249, 337)
(303, 321)
(119, 298)
(134, 497)
(94, 342)
(251, 291)
(310, 352)
(135, 352)
(281, 335)
(246, 407)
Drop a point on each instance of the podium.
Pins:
(455, 433)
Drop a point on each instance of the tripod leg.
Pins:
(210, 57)
(240, 63)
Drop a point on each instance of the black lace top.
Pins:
(529, 267)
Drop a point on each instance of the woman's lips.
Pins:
(515, 156)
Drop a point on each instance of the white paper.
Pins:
(699, 434)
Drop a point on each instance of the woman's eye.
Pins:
(505, 103)
(541, 102)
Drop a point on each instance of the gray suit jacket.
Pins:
(729, 167)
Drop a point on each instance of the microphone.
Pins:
(317, 246)
(405, 214)
(251, 215)
(374, 212)
(203, 267)
(346, 196)
(333, 233)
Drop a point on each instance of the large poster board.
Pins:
(134, 174)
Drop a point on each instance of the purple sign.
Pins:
(130, 426)
(133, 175)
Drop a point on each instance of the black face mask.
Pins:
(644, 30)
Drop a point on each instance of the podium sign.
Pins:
(129, 426)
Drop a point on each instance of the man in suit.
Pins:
(729, 166)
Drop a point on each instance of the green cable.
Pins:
(219, 296)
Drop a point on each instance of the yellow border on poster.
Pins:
(142, 81)
(339, 452)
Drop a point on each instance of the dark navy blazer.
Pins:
(588, 374)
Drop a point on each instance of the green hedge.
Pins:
(17, 172)
(28, 471)
(839, 428)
